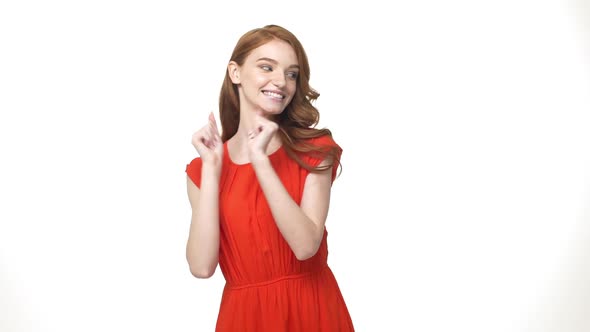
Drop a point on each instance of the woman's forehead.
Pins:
(276, 50)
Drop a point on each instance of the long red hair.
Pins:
(297, 122)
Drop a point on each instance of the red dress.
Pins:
(267, 287)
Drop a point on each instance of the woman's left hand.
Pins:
(259, 136)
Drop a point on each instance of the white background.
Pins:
(464, 200)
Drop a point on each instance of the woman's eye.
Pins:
(292, 75)
(267, 68)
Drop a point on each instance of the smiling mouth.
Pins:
(273, 94)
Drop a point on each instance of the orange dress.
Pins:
(267, 287)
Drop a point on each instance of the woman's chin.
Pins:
(272, 111)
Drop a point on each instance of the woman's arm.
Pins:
(301, 226)
(202, 248)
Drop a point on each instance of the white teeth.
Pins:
(273, 94)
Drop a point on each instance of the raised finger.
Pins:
(213, 124)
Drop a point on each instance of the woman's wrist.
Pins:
(211, 170)
(259, 159)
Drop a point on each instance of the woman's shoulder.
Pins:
(314, 150)
(195, 163)
(193, 170)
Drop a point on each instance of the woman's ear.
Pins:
(233, 71)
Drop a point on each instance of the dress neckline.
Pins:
(226, 155)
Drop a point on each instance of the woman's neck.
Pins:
(239, 142)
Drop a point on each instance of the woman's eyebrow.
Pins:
(275, 62)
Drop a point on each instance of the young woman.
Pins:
(260, 193)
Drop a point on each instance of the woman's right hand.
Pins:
(208, 143)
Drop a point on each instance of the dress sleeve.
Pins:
(193, 171)
(325, 142)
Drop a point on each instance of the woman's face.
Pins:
(267, 79)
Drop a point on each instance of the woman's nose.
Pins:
(279, 79)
